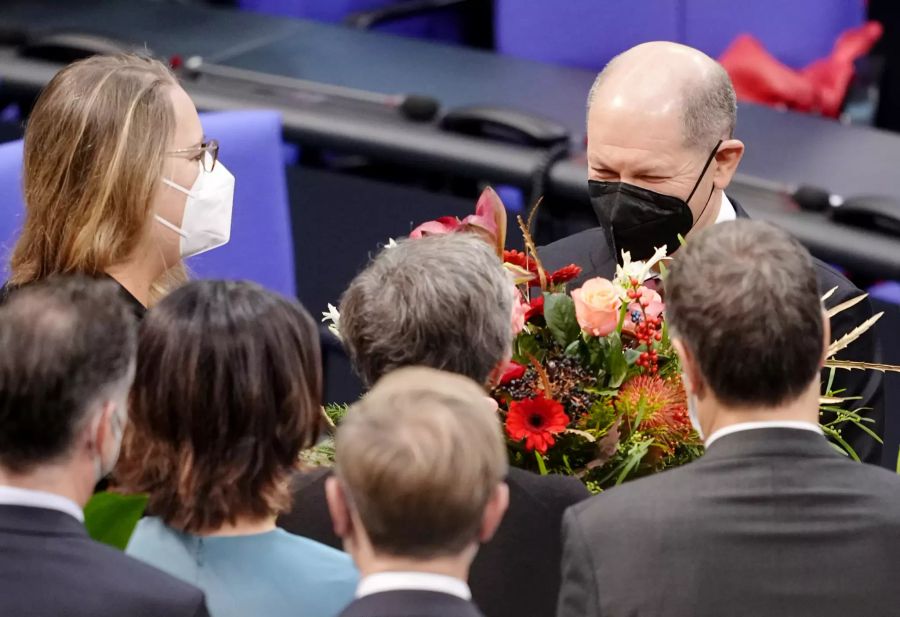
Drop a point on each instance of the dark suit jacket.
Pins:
(516, 573)
(768, 522)
(590, 250)
(411, 603)
(49, 567)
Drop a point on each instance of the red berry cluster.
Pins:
(647, 331)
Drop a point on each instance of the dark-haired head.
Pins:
(742, 299)
(226, 395)
(67, 348)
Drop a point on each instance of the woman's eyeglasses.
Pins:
(207, 153)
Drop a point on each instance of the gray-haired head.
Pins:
(658, 73)
(743, 298)
(443, 302)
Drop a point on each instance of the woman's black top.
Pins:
(138, 309)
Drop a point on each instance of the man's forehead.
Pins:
(618, 128)
(621, 116)
(635, 160)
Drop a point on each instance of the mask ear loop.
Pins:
(709, 160)
(171, 226)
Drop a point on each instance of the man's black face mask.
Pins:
(639, 220)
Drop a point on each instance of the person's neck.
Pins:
(804, 408)
(243, 526)
(711, 213)
(63, 480)
(455, 566)
(137, 274)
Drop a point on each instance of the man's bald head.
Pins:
(661, 78)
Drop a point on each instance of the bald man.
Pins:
(661, 152)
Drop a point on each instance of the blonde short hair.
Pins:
(419, 458)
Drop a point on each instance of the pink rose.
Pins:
(597, 305)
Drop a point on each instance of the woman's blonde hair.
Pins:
(95, 147)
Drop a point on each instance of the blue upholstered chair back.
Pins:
(583, 33)
(588, 33)
(12, 208)
(261, 248)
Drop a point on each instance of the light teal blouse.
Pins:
(272, 574)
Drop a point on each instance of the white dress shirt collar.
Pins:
(418, 581)
(750, 426)
(15, 496)
(726, 210)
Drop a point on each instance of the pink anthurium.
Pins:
(489, 220)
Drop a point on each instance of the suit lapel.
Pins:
(738, 209)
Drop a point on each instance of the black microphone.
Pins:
(871, 212)
(416, 107)
(808, 197)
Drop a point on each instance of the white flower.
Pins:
(334, 316)
(639, 270)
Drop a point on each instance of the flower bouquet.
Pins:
(594, 386)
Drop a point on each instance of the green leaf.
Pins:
(830, 379)
(527, 346)
(631, 356)
(559, 311)
(663, 271)
(615, 361)
(111, 517)
(836, 436)
(335, 412)
(898, 460)
(542, 467)
(572, 349)
(635, 456)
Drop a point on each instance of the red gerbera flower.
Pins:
(535, 307)
(518, 258)
(564, 275)
(536, 420)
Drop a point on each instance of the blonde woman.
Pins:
(119, 180)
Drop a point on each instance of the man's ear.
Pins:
(496, 374)
(339, 508)
(100, 430)
(690, 369)
(493, 512)
(728, 157)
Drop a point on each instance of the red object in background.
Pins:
(819, 87)
(513, 371)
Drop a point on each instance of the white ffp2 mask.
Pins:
(206, 223)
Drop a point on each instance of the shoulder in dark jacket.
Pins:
(43, 550)
(516, 573)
